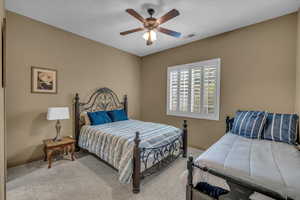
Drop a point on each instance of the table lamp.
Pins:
(58, 113)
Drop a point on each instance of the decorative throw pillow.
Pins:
(85, 118)
(281, 128)
(99, 117)
(117, 115)
(249, 124)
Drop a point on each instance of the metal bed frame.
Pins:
(162, 156)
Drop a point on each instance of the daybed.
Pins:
(247, 168)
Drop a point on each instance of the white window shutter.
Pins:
(196, 89)
(173, 103)
(183, 90)
(193, 90)
(209, 90)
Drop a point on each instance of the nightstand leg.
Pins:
(72, 152)
(67, 150)
(49, 156)
(45, 154)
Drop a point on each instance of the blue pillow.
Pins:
(117, 115)
(281, 128)
(249, 124)
(99, 117)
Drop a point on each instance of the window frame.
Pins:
(216, 116)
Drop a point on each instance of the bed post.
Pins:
(185, 138)
(77, 120)
(189, 185)
(125, 104)
(227, 124)
(136, 176)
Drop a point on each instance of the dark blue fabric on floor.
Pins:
(210, 190)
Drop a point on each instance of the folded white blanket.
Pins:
(273, 165)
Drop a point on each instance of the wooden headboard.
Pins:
(101, 99)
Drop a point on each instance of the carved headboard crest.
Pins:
(102, 99)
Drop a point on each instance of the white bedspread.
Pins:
(273, 165)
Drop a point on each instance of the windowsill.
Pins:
(195, 116)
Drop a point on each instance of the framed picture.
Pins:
(43, 80)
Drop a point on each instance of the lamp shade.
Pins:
(58, 113)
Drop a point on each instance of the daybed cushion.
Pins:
(249, 124)
(117, 115)
(99, 117)
(281, 128)
(274, 165)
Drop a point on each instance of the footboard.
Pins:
(147, 161)
(239, 189)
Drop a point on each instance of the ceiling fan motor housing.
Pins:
(151, 23)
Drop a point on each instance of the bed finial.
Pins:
(228, 126)
(136, 178)
(77, 120)
(184, 123)
(125, 104)
(184, 138)
(137, 138)
(190, 163)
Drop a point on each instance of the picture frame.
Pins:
(43, 80)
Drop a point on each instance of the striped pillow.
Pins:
(249, 124)
(281, 128)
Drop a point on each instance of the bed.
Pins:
(136, 149)
(248, 168)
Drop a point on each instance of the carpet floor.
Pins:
(87, 178)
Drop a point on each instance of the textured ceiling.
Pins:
(102, 20)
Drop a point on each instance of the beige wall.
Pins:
(2, 119)
(82, 64)
(257, 72)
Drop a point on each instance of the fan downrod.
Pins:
(151, 11)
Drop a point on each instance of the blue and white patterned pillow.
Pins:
(281, 128)
(249, 124)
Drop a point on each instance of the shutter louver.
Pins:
(183, 90)
(173, 91)
(196, 85)
(209, 90)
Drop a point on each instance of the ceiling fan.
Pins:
(151, 24)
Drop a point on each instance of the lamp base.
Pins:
(56, 139)
(58, 127)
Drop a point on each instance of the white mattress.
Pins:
(273, 165)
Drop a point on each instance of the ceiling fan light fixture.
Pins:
(150, 36)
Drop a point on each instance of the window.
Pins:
(194, 90)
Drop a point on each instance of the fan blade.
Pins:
(136, 15)
(131, 31)
(169, 32)
(170, 15)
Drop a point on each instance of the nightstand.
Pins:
(67, 144)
